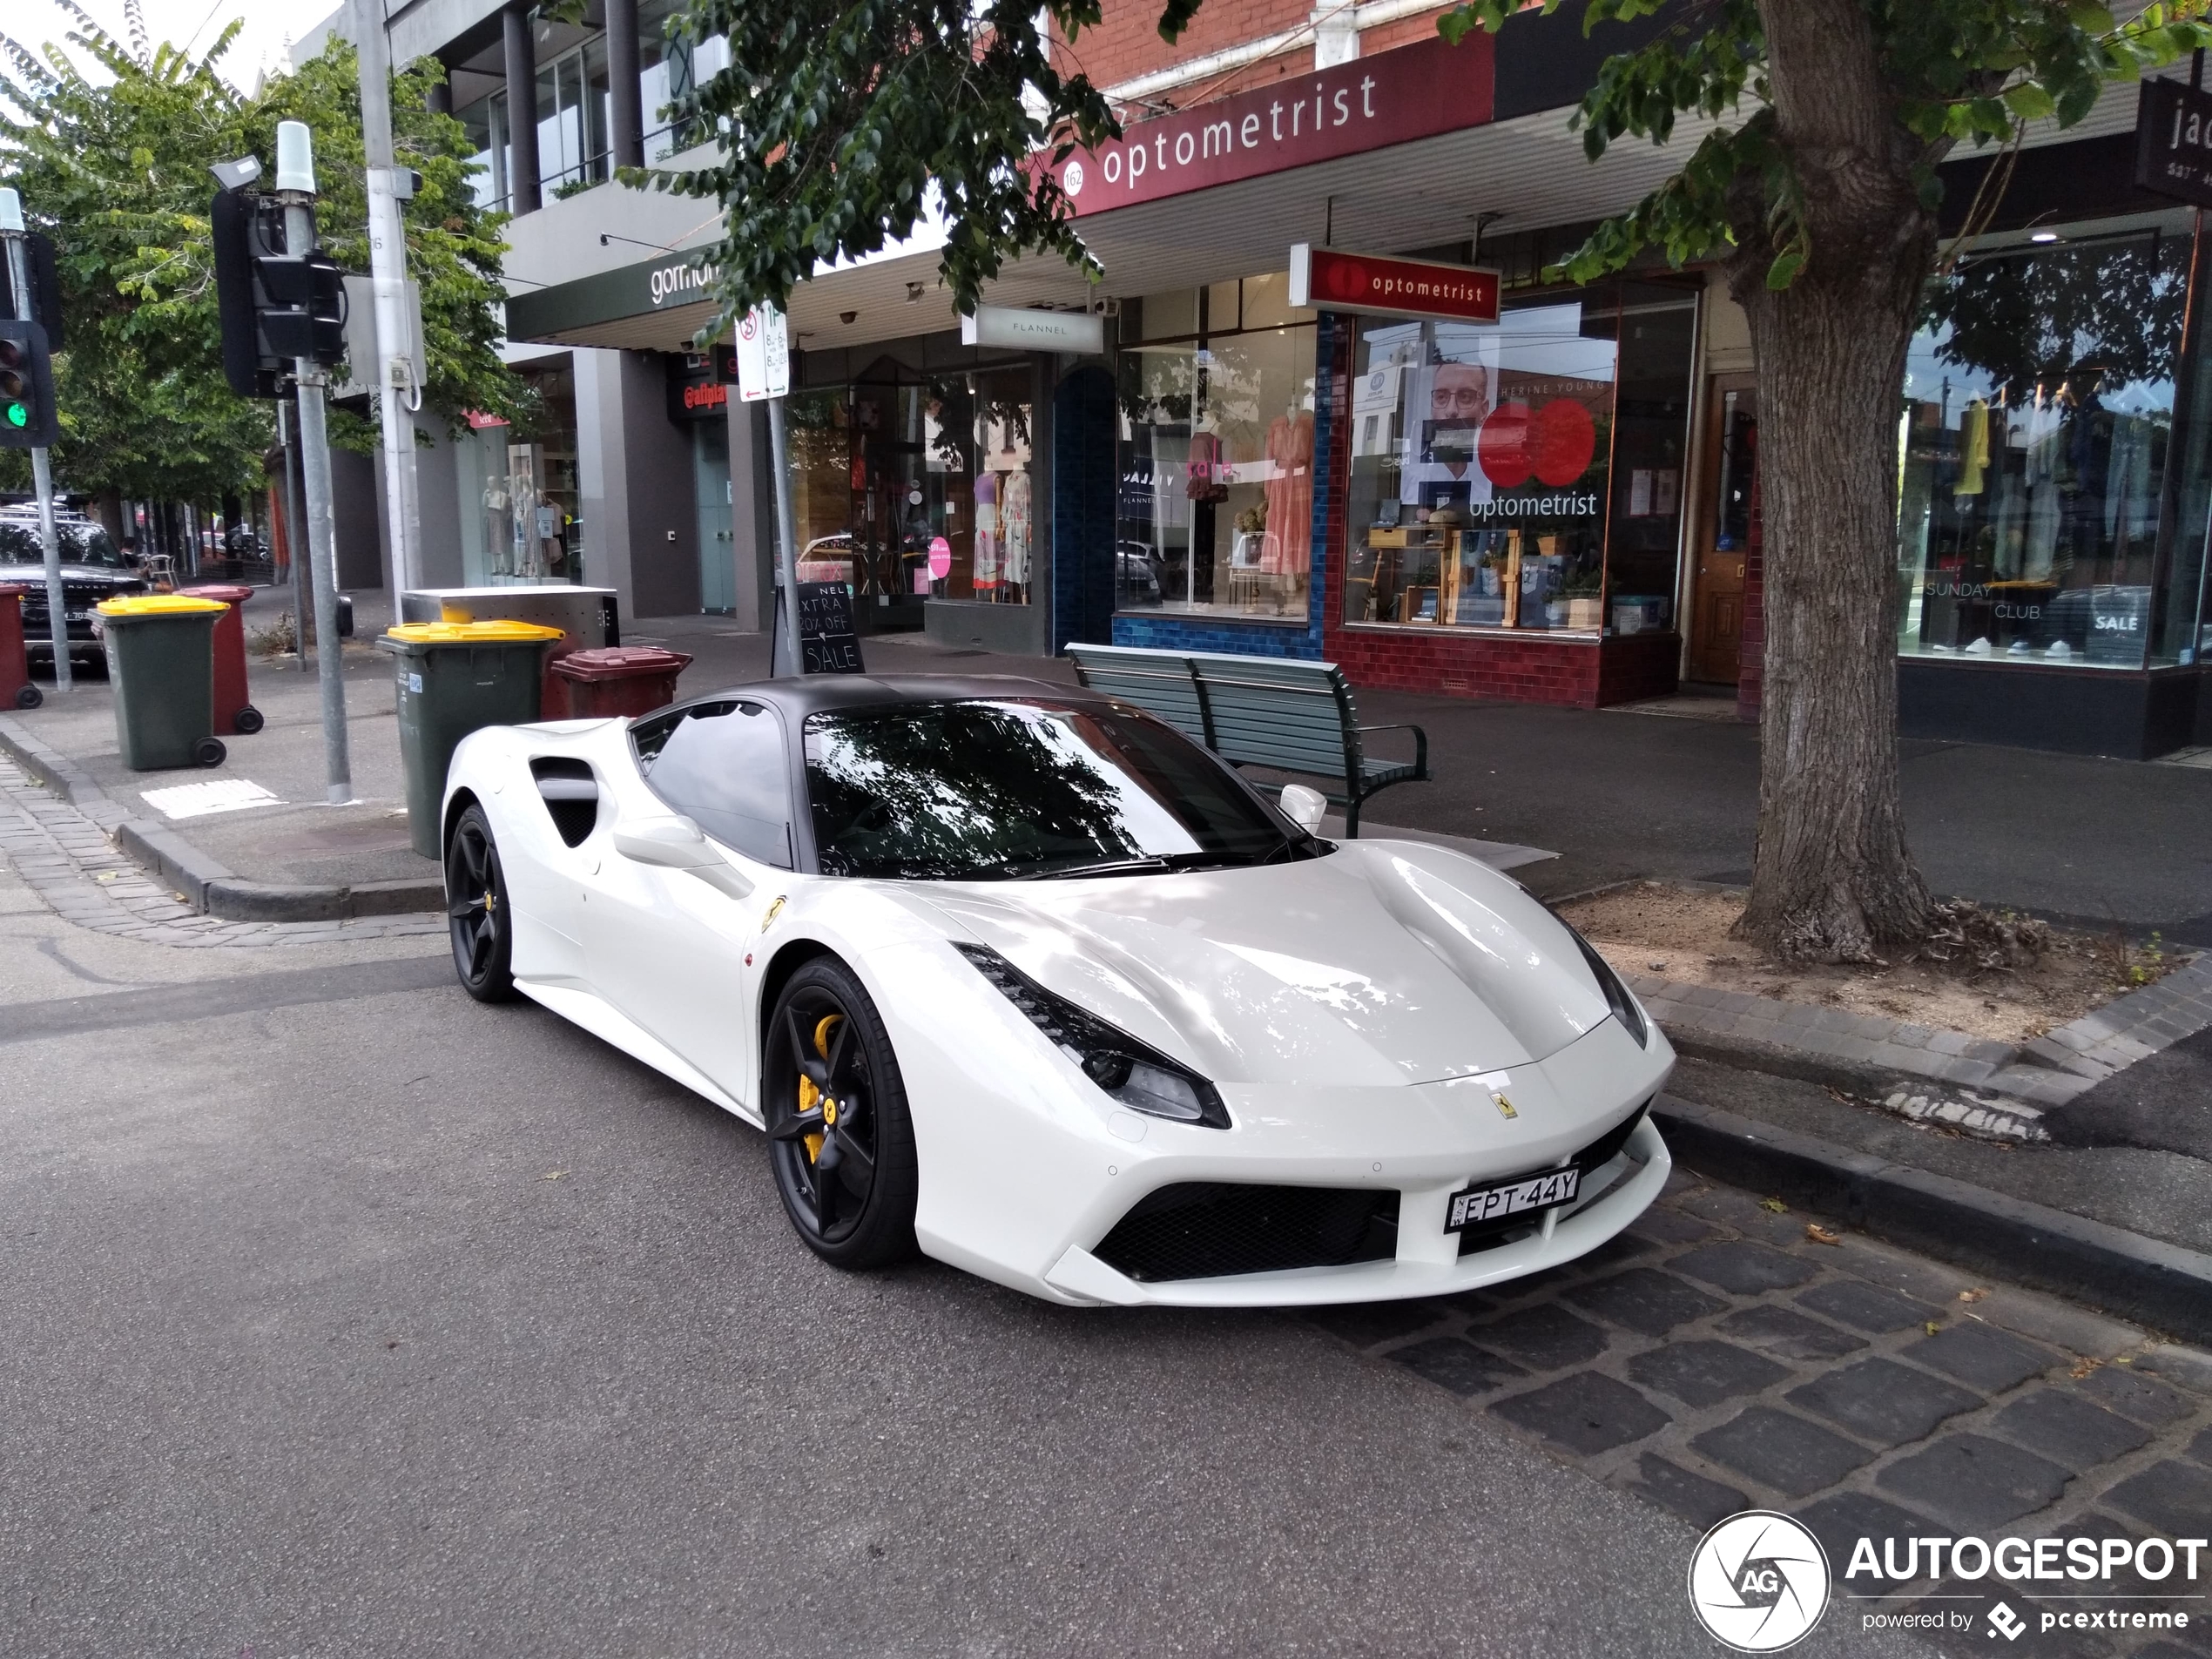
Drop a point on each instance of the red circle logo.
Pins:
(1502, 447)
(1561, 442)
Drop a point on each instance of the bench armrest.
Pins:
(1421, 744)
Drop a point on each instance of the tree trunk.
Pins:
(1832, 878)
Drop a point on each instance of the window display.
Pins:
(1525, 473)
(2039, 400)
(1218, 463)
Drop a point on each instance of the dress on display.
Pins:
(987, 534)
(1290, 496)
(1014, 527)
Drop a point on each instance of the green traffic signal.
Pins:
(17, 415)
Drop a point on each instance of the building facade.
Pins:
(1556, 502)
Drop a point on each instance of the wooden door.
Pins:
(1723, 531)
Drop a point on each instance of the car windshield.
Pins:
(80, 544)
(1020, 789)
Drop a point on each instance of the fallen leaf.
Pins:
(1932, 1327)
(2082, 1368)
(1820, 1235)
(2123, 1359)
(1972, 1296)
(556, 1174)
(1773, 1206)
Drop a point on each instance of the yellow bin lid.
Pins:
(469, 633)
(157, 604)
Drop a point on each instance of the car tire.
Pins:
(840, 1140)
(477, 918)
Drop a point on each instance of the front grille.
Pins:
(1210, 1229)
(1594, 1157)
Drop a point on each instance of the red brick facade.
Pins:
(1128, 44)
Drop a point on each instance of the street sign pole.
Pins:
(397, 395)
(764, 373)
(296, 189)
(42, 475)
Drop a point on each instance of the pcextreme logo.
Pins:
(1758, 1581)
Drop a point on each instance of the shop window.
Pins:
(2182, 625)
(1215, 512)
(2038, 403)
(908, 488)
(1489, 462)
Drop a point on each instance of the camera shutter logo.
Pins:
(1758, 1581)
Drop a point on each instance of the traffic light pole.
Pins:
(395, 386)
(296, 189)
(42, 475)
(295, 533)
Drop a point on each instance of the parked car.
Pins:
(93, 569)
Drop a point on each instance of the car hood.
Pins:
(1385, 962)
(73, 575)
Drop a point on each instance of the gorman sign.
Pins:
(1329, 280)
(1413, 92)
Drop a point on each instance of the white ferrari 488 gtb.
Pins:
(1023, 976)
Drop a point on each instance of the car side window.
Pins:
(721, 764)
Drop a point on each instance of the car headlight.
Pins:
(1131, 1073)
(1617, 994)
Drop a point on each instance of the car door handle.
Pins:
(677, 843)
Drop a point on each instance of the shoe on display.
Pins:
(2018, 648)
(2060, 649)
(1980, 648)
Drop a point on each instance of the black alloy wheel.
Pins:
(476, 910)
(839, 1137)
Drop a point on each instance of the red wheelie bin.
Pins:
(233, 713)
(614, 681)
(16, 688)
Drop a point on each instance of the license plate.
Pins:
(1471, 1206)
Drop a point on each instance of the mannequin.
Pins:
(1290, 494)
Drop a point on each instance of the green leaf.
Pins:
(2028, 101)
(1785, 267)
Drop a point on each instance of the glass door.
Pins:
(718, 545)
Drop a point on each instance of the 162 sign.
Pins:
(2173, 141)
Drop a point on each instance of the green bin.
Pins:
(453, 678)
(161, 661)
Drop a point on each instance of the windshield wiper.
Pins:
(1106, 867)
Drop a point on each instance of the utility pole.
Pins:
(397, 394)
(42, 474)
(295, 182)
(295, 532)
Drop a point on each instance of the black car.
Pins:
(93, 569)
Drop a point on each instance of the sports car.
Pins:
(1023, 977)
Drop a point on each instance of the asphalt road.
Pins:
(345, 1317)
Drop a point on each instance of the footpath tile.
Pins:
(1585, 1413)
(2173, 1497)
(1842, 1519)
(1884, 1401)
(1544, 1337)
(1979, 1355)
(1699, 1501)
(2068, 1429)
(1460, 1366)
(2120, 1387)
(1744, 1268)
(1781, 1450)
(2201, 1447)
(1645, 1300)
(1787, 1335)
(1669, 1226)
(1975, 1482)
(1865, 1307)
(1704, 1373)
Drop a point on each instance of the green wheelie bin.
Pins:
(453, 678)
(161, 660)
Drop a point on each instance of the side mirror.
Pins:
(677, 843)
(1304, 807)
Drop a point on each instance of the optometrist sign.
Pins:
(1330, 280)
(1414, 91)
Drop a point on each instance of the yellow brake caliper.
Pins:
(808, 1095)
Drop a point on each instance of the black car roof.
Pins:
(798, 696)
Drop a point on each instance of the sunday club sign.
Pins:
(1416, 92)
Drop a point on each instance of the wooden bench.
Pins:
(1281, 713)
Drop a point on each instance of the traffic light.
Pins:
(26, 387)
(275, 307)
(45, 288)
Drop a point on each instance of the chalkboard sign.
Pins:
(827, 642)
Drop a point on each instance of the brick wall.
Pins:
(1128, 44)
